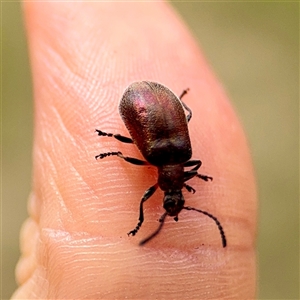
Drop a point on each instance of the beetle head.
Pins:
(173, 202)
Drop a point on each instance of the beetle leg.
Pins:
(189, 116)
(204, 177)
(190, 174)
(119, 137)
(193, 172)
(102, 155)
(196, 163)
(184, 92)
(145, 197)
(189, 188)
(131, 160)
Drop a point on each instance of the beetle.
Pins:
(158, 124)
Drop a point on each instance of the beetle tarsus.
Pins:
(135, 230)
(102, 133)
(119, 137)
(204, 177)
(189, 188)
(132, 232)
(103, 155)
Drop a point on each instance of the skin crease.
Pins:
(75, 244)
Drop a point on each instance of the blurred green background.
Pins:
(254, 50)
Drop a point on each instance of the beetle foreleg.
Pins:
(162, 221)
(145, 197)
(102, 155)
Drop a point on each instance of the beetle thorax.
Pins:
(171, 177)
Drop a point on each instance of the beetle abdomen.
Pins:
(157, 123)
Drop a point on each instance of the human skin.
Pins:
(74, 243)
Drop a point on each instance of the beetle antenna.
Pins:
(161, 220)
(224, 242)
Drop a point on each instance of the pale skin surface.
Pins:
(74, 243)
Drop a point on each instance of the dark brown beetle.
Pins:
(158, 126)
